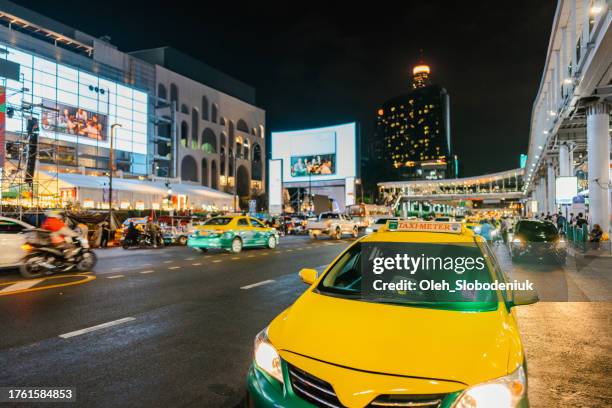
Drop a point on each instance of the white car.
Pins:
(333, 225)
(12, 237)
(379, 223)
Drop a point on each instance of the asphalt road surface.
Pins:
(180, 327)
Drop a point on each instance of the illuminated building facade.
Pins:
(412, 135)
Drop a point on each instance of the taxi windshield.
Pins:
(219, 221)
(350, 276)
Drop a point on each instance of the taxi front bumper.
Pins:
(266, 392)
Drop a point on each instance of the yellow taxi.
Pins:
(341, 345)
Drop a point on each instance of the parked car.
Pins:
(333, 225)
(12, 237)
(537, 239)
(174, 235)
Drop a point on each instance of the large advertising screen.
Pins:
(77, 106)
(320, 154)
(62, 118)
(313, 165)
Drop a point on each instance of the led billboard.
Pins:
(75, 105)
(320, 154)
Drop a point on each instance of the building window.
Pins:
(242, 126)
(214, 112)
(195, 117)
(257, 163)
(174, 96)
(184, 109)
(204, 173)
(214, 178)
(209, 141)
(189, 169)
(184, 134)
(161, 92)
(204, 107)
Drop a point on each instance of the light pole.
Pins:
(110, 175)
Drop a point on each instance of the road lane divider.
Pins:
(147, 271)
(48, 282)
(196, 264)
(254, 285)
(96, 327)
(115, 277)
(217, 260)
(233, 258)
(174, 267)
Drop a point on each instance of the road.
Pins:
(181, 327)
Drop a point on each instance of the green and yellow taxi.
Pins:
(233, 233)
(337, 347)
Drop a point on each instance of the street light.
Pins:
(110, 175)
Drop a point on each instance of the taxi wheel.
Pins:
(236, 245)
(272, 242)
(338, 234)
(355, 232)
(182, 240)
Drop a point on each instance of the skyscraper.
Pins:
(412, 135)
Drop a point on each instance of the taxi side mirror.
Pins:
(521, 298)
(308, 276)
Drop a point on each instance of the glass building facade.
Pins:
(75, 109)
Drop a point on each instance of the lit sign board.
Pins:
(566, 188)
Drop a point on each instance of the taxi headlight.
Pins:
(477, 230)
(266, 356)
(503, 392)
(369, 230)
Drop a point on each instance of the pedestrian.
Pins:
(596, 233)
(580, 220)
(485, 229)
(105, 235)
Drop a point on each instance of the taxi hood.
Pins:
(467, 347)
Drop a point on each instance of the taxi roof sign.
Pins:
(424, 226)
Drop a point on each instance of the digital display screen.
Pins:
(62, 118)
(313, 165)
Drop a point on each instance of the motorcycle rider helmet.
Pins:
(53, 214)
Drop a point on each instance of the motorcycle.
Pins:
(45, 258)
(144, 240)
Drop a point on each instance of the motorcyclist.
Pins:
(61, 234)
(132, 233)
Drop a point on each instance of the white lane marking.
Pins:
(96, 327)
(289, 250)
(115, 276)
(146, 264)
(149, 271)
(197, 264)
(174, 267)
(233, 258)
(250, 256)
(254, 285)
(189, 259)
(167, 262)
(265, 253)
(21, 285)
(217, 260)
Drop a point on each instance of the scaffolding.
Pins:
(31, 188)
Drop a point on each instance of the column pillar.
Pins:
(543, 199)
(564, 163)
(598, 156)
(551, 179)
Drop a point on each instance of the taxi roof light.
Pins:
(424, 226)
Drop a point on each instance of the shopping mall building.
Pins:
(178, 133)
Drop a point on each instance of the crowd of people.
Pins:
(595, 234)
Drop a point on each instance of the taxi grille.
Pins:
(312, 389)
(415, 401)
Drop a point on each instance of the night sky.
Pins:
(315, 64)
